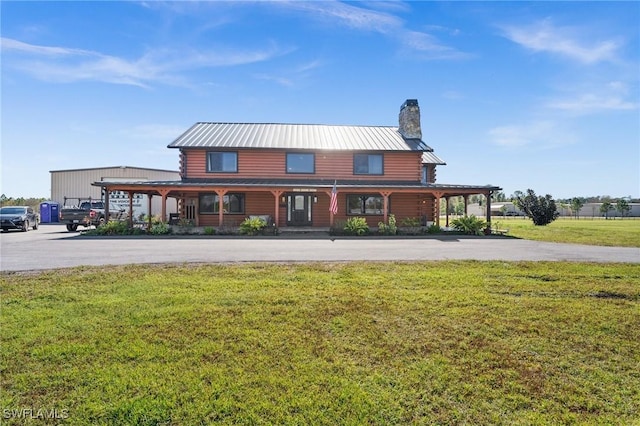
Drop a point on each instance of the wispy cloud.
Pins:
(380, 21)
(613, 97)
(165, 66)
(544, 36)
(539, 134)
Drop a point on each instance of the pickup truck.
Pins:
(87, 213)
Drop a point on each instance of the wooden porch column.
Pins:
(163, 194)
(446, 210)
(130, 193)
(466, 202)
(149, 213)
(221, 193)
(106, 201)
(488, 196)
(385, 205)
(276, 207)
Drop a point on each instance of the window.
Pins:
(300, 163)
(425, 173)
(231, 203)
(367, 164)
(222, 162)
(365, 205)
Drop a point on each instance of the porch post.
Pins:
(385, 206)
(149, 215)
(221, 193)
(130, 208)
(276, 207)
(446, 210)
(106, 201)
(163, 194)
(466, 202)
(488, 195)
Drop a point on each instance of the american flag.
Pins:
(333, 204)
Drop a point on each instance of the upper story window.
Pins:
(425, 174)
(367, 164)
(222, 162)
(298, 162)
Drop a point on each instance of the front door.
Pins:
(299, 209)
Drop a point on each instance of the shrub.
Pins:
(434, 229)
(356, 226)
(542, 210)
(388, 229)
(209, 230)
(113, 227)
(252, 226)
(469, 225)
(411, 225)
(160, 228)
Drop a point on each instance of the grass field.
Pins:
(600, 232)
(364, 343)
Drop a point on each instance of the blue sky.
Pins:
(540, 95)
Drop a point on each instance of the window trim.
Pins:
(215, 203)
(381, 155)
(363, 209)
(286, 166)
(208, 162)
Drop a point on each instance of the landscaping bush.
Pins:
(160, 229)
(434, 229)
(209, 230)
(469, 225)
(252, 226)
(411, 225)
(388, 229)
(356, 226)
(542, 210)
(112, 227)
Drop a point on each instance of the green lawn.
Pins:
(600, 232)
(364, 343)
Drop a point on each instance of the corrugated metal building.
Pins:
(76, 183)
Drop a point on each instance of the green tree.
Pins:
(576, 204)
(623, 207)
(542, 210)
(605, 207)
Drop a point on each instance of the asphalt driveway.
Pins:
(51, 246)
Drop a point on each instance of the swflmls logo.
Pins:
(30, 413)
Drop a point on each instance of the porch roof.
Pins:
(288, 184)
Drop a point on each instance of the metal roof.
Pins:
(288, 183)
(296, 136)
(431, 158)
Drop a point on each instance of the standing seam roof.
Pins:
(296, 136)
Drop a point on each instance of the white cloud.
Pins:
(539, 134)
(543, 36)
(351, 16)
(53, 63)
(612, 97)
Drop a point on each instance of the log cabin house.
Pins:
(288, 173)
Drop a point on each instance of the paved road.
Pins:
(52, 246)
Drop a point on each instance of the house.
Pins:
(290, 172)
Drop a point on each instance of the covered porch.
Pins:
(296, 204)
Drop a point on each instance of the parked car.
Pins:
(18, 217)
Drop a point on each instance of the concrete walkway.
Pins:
(52, 247)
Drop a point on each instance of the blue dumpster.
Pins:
(49, 212)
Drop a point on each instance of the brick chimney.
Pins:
(409, 120)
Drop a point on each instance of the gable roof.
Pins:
(296, 136)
